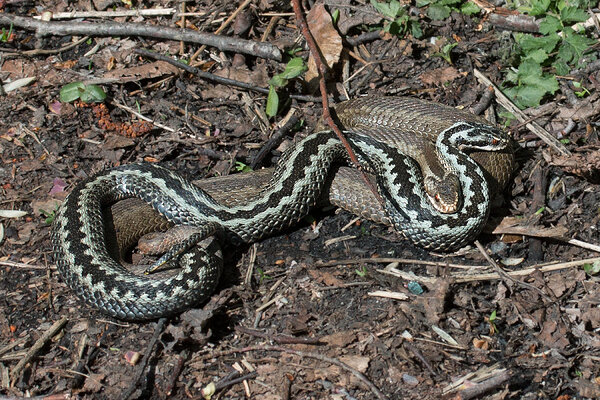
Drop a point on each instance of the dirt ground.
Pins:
(297, 315)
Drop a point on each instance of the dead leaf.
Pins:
(585, 165)
(340, 339)
(325, 277)
(93, 383)
(439, 76)
(515, 226)
(147, 71)
(327, 38)
(585, 109)
(359, 363)
(553, 335)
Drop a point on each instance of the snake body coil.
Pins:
(89, 268)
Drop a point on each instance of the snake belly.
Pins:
(89, 268)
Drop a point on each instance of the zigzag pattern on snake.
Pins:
(86, 264)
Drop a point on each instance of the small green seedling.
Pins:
(86, 93)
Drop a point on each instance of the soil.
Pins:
(297, 315)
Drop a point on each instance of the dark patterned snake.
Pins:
(435, 167)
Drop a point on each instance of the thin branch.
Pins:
(224, 43)
(361, 377)
(532, 126)
(215, 78)
(322, 68)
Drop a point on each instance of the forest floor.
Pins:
(296, 315)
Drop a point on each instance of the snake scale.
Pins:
(433, 192)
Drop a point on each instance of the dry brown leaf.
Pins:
(359, 363)
(327, 38)
(514, 226)
(585, 164)
(326, 278)
(439, 76)
(153, 70)
(340, 339)
(585, 108)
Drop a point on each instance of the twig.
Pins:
(484, 101)
(418, 354)
(274, 140)
(37, 346)
(483, 387)
(146, 359)
(384, 260)
(224, 25)
(224, 43)
(176, 371)
(505, 276)
(23, 265)
(36, 52)
(316, 356)
(532, 126)
(219, 79)
(152, 12)
(140, 116)
(322, 68)
(281, 339)
(527, 271)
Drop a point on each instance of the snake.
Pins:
(402, 142)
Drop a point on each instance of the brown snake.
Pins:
(388, 134)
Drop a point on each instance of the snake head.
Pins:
(443, 194)
(479, 137)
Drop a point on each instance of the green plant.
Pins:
(441, 9)
(582, 89)
(445, 52)
(542, 57)
(49, 215)
(362, 272)
(592, 269)
(262, 276)
(6, 35)
(241, 167)
(492, 321)
(79, 90)
(398, 22)
(293, 69)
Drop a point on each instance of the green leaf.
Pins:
(529, 43)
(550, 24)
(529, 68)
(423, 3)
(574, 46)
(572, 14)
(93, 94)
(383, 8)
(272, 102)
(538, 56)
(278, 81)
(395, 9)
(71, 91)
(547, 82)
(438, 12)
(539, 7)
(335, 16)
(469, 8)
(449, 2)
(415, 29)
(592, 269)
(295, 67)
(561, 67)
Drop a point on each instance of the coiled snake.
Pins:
(408, 145)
